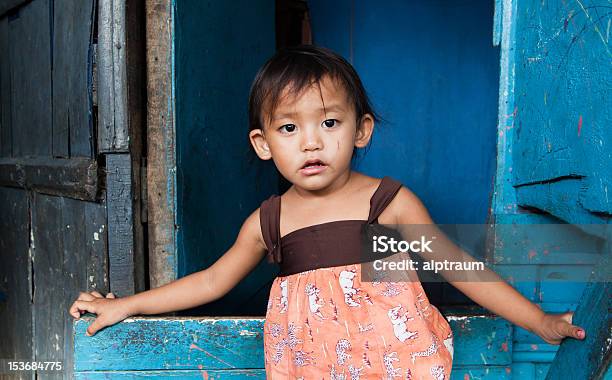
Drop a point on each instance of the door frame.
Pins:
(161, 142)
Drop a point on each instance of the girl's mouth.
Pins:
(312, 167)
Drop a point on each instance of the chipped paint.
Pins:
(247, 332)
(465, 318)
(504, 346)
(237, 343)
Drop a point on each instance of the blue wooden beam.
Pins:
(233, 348)
(593, 354)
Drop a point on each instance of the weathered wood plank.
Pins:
(7, 5)
(73, 275)
(170, 343)
(31, 117)
(533, 356)
(481, 340)
(84, 260)
(230, 343)
(504, 195)
(15, 276)
(481, 372)
(461, 373)
(562, 101)
(113, 134)
(120, 223)
(497, 22)
(47, 257)
(76, 177)
(526, 283)
(561, 283)
(523, 371)
(96, 247)
(72, 103)
(534, 242)
(161, 159)
(5, 92)
(136, 84)
(250, 374)
(65, 249)
(594, 353)
(562, 198)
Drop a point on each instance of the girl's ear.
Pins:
(365, 127)
(258, 141)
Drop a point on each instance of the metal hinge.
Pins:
(144, 210)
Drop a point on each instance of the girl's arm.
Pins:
(209, 284)
(190, 291)
(488, 289)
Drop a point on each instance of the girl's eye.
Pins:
(287, 127)
(330, 123)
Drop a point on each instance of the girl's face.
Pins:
(310, 145)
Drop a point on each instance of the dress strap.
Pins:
(385, 193)
(269, 219)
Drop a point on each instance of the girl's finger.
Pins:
(571, 330)
(85, 306)
(96, 294)
(85, 297)
(110, 295)
(94, 327)
(566, 329)
(74, 311)
(576, 332)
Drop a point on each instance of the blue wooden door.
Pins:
(553, 166)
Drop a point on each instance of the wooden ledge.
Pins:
(74, 178)
(186, 347)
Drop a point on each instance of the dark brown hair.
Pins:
(296, 68)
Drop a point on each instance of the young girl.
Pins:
(308, 112)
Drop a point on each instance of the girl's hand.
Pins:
(109, 310)
(553, 328)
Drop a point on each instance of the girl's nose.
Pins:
(311, 140)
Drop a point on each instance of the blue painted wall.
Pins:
(220, 45)
(431, 70)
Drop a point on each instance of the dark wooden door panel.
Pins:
(73, 22)
(15, 276)
(30, 67)
(68, 247)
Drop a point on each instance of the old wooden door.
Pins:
(70, 153)
(553, 166)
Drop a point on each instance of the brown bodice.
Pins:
(326, 244)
